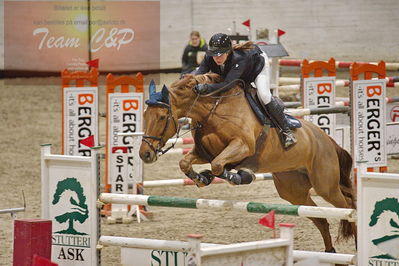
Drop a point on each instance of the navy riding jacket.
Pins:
(240, 64)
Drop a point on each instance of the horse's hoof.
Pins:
(247, 176)
(198, 179)
(206, 177)
(203, 178)
(232, 178)
(234, 181)
(330, 251)
(199, 184)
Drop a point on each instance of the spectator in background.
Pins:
(193, 53)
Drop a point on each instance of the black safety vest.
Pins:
(240, 64)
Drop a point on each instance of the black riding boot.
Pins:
(276, 113)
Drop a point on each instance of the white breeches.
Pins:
(262, 82)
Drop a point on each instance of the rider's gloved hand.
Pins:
(201, 88)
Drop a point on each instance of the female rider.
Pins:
(249, 63)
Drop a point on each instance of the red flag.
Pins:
(280, 32)
(247, 23)
(41, 261)
(93, 63)
(268, 220)
(89, 141)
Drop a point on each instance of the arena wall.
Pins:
(2, 35)
(362, 30)
(345, 30)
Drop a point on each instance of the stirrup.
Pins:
(288, 139)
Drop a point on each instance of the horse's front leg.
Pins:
(235, 152)
(201, 179)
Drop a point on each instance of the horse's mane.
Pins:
(191, 80)
(244, 46)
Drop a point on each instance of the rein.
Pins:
(222, 89)
(220, 97)
(158, 150)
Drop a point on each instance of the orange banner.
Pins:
(54, 35)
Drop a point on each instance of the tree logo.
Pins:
(70, 192)
(385, 217)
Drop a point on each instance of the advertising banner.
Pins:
(320, 93)
(56, 35)
(119, 178)
(80, 116)
(125, 116)
(368, 122)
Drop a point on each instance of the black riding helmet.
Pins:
(219, 44)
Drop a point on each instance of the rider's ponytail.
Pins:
(243, 46)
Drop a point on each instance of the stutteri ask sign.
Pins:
(69, 194)
(368, 122)
(378, 221)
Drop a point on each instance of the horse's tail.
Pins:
(347, 229)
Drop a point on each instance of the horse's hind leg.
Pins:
(294, 187)
(325, 179)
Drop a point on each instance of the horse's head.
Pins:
(163, 110)
(159, 124)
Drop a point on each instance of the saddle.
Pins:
(259, 110)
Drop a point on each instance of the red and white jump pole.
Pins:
(291, 83)
(338, 64)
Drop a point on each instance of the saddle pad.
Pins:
(263, 118)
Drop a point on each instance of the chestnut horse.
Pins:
(227, 129)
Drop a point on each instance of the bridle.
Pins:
(161, 142)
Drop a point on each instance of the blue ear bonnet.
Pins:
(157, 98)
